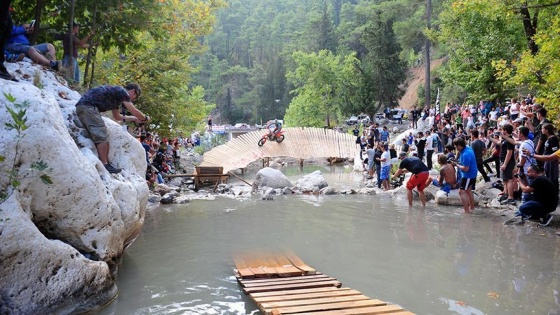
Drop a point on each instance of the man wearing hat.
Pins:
(70, 59)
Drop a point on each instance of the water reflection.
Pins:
(432, 261)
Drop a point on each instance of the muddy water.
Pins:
(432, 261)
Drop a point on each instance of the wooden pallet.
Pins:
(284, 284)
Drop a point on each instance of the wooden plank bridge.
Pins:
(281, 283)
(300, 143)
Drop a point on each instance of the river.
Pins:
(432, 261)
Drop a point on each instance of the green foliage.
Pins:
(538, 72)
(167, 97)
(324, 83)
(12, 172)
(477, 32)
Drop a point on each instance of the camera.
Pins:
(496, 134)
(451, 160)
(520, 175)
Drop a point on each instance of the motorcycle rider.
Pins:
(277, 128)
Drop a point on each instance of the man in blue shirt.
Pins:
(43, 54)
(468, 171)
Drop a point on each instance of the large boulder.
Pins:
(269, 177)
(61, 243)
(312, 182)
(451, 199)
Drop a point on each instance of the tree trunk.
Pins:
(91, 53)
(38, 10)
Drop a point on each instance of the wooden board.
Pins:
(306, 285)
(326, 307)
(281, 283)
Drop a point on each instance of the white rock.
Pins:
(86, 210)
(269, 177)
(313, 181)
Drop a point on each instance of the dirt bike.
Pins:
(271, 137)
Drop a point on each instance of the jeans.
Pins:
(76, 69)
(534, 209)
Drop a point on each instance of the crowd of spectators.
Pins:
(163, 156)
(512, 146)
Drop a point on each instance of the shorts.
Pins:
(370, 164)
(385, 170)
(418, 181)
(507, 174)
(467, 183)
(19, 48)
(93, 123)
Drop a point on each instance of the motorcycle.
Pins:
(279, 137)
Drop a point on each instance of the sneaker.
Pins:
(14, 57)
(55, 65)
(547, 219)
(502, 198)
(4, 74)
(111, 169)
(509, 202)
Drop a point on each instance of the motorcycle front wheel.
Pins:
(261, 142)
(280, 138)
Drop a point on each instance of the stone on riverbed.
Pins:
(269, 177)
(312, 182)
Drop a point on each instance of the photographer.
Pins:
(545, 197)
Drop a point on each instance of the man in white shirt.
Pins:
(429, 149)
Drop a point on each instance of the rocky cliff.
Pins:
(60, 244)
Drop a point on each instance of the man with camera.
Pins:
(107, 98)
(545, 196)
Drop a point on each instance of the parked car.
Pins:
(360, 119)
(379, 116)
(399, 115)
(241, 126)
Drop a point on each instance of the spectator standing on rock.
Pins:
(70, 59)
(468, 171)
(545, 196)
(377, 161)
(418, 179)
(405, 147)
(101, 99)
(210, 123)
(551, 145)
(479, 148)
(429, 149)
(420, 145)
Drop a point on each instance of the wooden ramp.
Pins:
(284, 284)
(300, 143)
